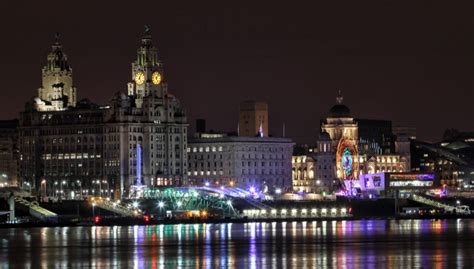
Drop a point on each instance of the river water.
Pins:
(311, 244)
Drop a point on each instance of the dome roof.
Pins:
(339, 111)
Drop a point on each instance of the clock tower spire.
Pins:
(147, 71)
(57, 91)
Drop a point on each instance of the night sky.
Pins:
(407, 61)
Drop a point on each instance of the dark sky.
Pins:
(408, 61)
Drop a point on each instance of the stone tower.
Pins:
(57, 91)
(147, 72)
(253, 119)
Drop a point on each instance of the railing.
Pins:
(447, 207)
(36, 210)
(116, 207)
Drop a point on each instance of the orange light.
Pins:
(204, 213)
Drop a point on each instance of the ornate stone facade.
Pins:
(86, 149)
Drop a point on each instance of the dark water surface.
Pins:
(312, 244)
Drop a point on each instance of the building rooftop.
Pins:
(217, 138)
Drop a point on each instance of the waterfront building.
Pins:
(452, 160)
(8, 152)
(252, 163)
(76, 149)
(303, 173)
(388, 184)
(346, 150)
(57, 91)
(253, 119)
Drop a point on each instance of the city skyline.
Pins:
(220, 66)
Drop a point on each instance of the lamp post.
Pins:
(62, 191)
(56, 189)
(161, 204)
(78, 182)
(43, 189)
(29, 186)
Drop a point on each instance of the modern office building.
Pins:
(376, 136)
(389, 184)
(452, 160)
(72, 149)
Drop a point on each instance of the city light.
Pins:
(161, 204)
(135, 204)
(278, 191)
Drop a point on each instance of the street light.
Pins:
(29, 186)
(179, 203)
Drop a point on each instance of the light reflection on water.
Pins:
(307, 244)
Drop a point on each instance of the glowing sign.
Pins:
(347, 159)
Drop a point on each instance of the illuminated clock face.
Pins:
(156, 78)
(139, 78)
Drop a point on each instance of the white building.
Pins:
(263, 163)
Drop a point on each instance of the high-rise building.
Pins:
(376, 135)
(86, 149)
(253, 119)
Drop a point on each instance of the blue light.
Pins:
(139, 164)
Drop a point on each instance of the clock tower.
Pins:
(147, 72)
(57, 92)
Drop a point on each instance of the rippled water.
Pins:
(342, 244)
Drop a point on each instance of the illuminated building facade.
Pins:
(452, 160)
(302, 173)
(345, 150)
(387, 184)
(84, 149)
(57, 91)
(262, 163)
(8, 152)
